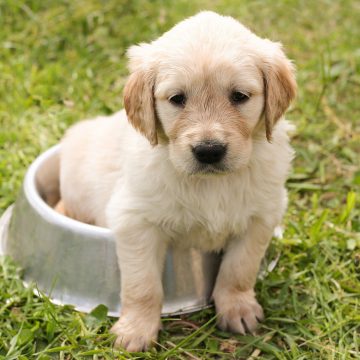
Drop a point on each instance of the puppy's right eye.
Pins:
(178, 100)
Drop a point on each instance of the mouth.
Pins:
(209, 169)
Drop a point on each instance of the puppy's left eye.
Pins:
(238, 97)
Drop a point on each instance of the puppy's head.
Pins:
(206, 88)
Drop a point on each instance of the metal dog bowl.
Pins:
(75, 263)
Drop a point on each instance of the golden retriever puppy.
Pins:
(199, 157)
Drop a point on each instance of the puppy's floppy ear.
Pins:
(279, 86)
(139, 95)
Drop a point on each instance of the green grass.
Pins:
(61, 61)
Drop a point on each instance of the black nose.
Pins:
(209, 152)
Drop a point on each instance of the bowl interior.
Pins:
(47, 181)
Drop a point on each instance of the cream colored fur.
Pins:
(135, 172)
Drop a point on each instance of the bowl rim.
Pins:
(47, 212)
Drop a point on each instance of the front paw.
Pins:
(135, 332)
(238, 311)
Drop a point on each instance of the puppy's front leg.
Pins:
(236, 305)
(141, 250)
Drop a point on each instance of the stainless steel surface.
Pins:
(75, 263)
(4, 226)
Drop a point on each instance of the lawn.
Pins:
(62, 60)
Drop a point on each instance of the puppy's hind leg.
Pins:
(60, 207)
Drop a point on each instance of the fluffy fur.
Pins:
(136, 172)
